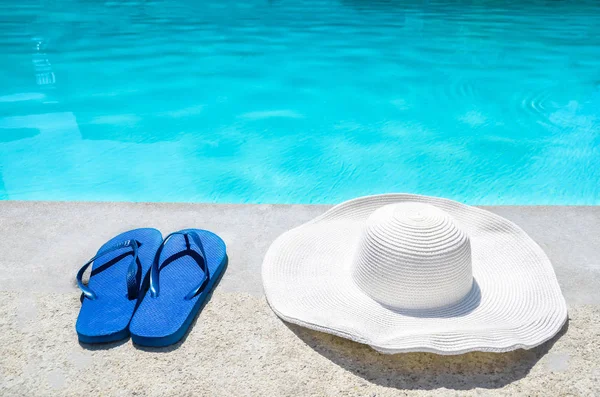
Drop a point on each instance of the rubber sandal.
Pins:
(187, 267)
(119, 278)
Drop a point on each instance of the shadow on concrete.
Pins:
(103, 346)
(426, 371)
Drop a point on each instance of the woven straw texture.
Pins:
(423, 274)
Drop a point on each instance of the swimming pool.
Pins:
(289, 101)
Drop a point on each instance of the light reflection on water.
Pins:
(488, 102)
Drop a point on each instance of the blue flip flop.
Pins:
(185, 270)
(116, 285)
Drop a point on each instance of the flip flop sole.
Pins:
(106, 317)
(117, 336)
(198, 306)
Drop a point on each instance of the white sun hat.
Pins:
(406, 273)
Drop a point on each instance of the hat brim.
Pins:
(515, 301)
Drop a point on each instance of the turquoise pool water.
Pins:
(289, 101)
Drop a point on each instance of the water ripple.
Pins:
(536, 103)
(331, 98)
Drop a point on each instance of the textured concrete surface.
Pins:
(237, 346)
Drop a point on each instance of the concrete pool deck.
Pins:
(237, 345)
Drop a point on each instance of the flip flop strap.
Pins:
(199, 258)
(133, 272)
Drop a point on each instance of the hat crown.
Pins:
(413, 256)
